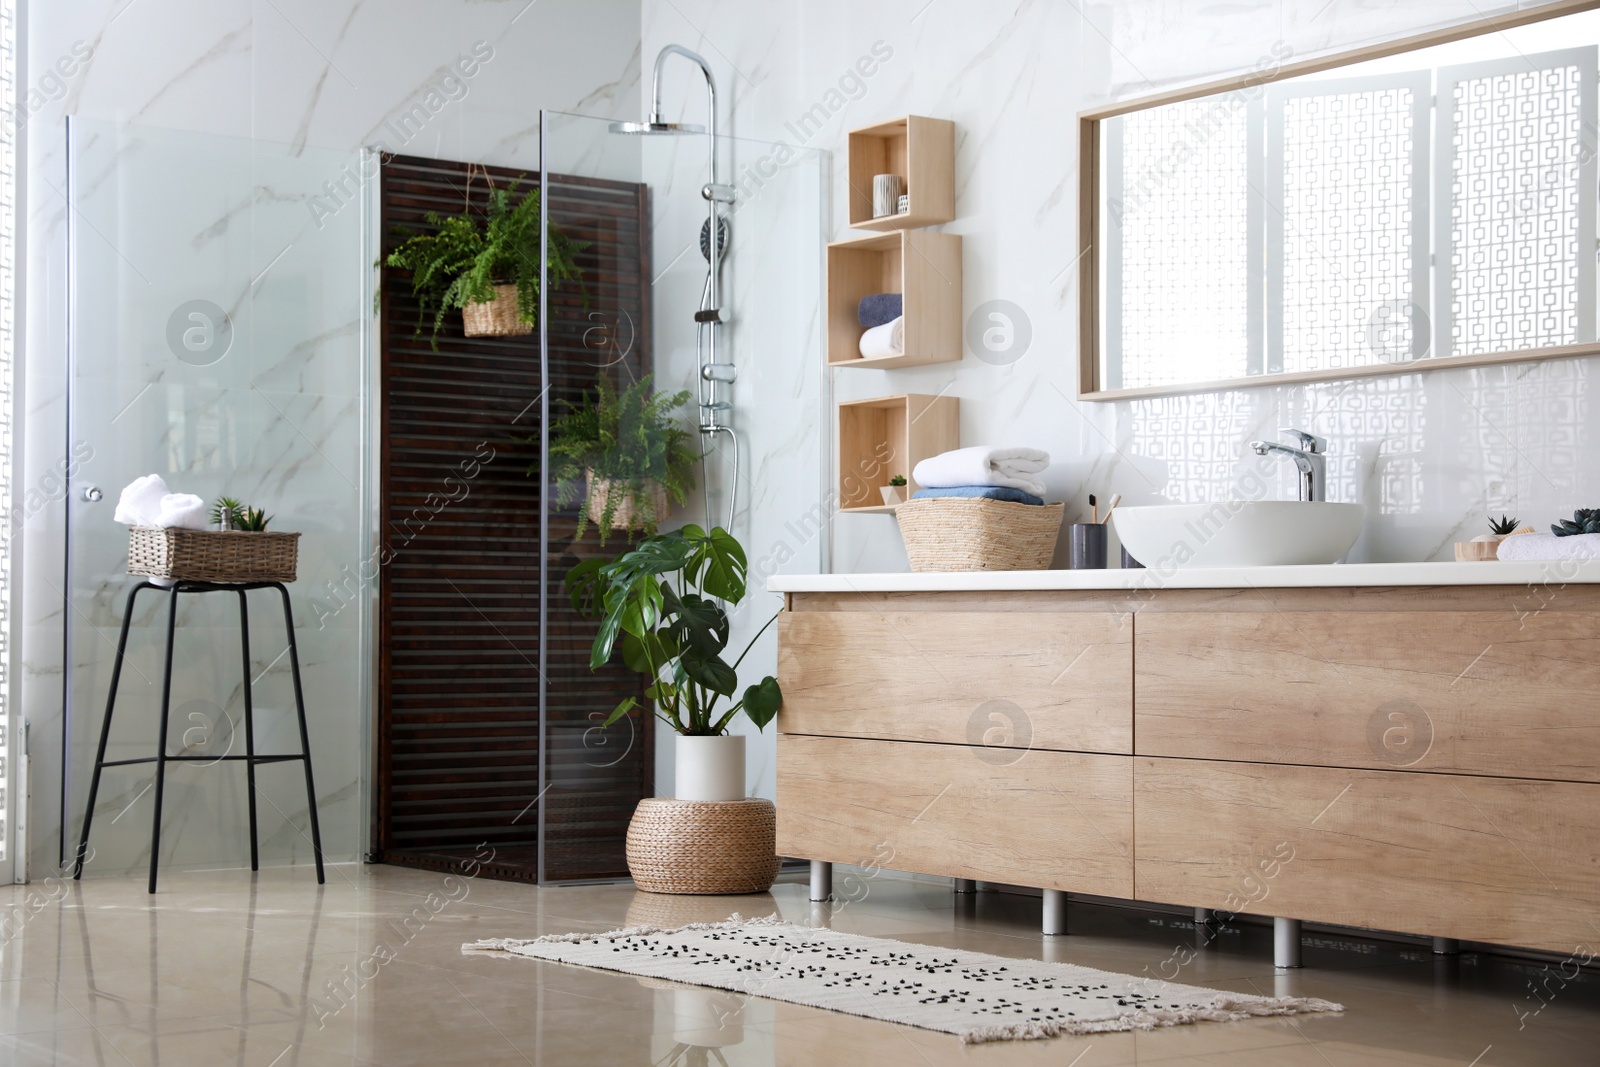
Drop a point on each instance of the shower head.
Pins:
(653, 128)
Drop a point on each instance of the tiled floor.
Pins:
(223, 968)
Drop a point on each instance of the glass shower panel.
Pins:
(598, 326)
(216, 324)
(770, 471)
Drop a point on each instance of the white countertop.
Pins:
(1336, 575)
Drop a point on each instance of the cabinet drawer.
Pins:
(1060, 681)
(1487, 859)
(1053, 820)
(1476, 692)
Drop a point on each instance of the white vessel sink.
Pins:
(1238, 533)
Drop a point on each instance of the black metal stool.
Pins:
(161, 759)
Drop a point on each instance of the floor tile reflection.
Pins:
(222, 968)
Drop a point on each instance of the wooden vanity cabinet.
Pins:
(1422, 760)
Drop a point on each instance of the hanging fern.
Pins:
(633, 440)
(462, 261)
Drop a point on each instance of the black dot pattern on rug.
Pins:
(946, 989)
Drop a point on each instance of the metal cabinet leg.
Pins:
(161, 742)
(1446, 946)
(1286, 942)
(1055, 911)
(966, 885)
(821, 880)
(105, 730)
(1202, 915)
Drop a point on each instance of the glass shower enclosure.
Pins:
(223, 335)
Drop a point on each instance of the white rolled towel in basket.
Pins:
(148, 502)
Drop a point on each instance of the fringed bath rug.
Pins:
(971, 994)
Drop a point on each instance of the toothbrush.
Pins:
(1114, 502)
(1094, 511)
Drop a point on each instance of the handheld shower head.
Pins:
(722, 237)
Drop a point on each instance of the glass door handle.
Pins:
(92, 493)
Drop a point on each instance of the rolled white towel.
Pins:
(1537, 546)
(140, 502)
(984, 465)
(183, 511)
(886, 340)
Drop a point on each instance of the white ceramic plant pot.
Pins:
(709, 768)
(891, 494)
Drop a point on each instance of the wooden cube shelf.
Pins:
(923, 152)
(890, 435)
(924, 268)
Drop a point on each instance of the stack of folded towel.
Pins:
(882, 315)
(983, 471)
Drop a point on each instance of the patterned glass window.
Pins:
(1347, 222)
(1177, 244)
(1516, 203)
(1341, 223)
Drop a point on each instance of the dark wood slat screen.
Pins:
(459, 658)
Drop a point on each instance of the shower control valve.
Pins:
(718, 191)
(719, 372)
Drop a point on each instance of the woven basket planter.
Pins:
(972, 534)
(703, 847)
(497, 317)
(627, 516)
(212, 556)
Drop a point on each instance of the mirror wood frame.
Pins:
(1089, 282)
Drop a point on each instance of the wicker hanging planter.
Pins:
(497, 317)
(628, 514)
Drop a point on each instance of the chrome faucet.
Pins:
(1310, 460)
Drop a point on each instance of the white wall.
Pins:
(309, 74)
(1429, 453)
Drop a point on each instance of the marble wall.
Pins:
(1429, 453)
(310, 82)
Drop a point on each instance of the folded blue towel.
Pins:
(879, 308)
(982, 492)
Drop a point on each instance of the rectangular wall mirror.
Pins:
(1424, 203)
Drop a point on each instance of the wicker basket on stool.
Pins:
(212, 555)
(693, 846)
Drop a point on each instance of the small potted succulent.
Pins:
(1499, 530)
(489, 269)
(894, 492)
(628, 450)
(229, 514)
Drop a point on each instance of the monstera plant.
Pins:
(664, 603)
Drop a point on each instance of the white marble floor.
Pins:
(226, 968)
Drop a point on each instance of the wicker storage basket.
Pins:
(694, 846)
(973, 534)
(627, 516)
(212, 556)
(497, 317)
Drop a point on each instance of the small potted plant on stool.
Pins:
(664, 605)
